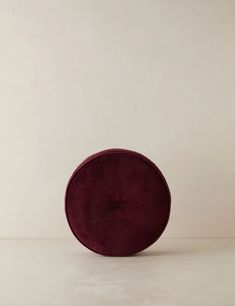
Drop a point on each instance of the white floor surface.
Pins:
(182, 272)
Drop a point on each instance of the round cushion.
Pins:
(117, 202)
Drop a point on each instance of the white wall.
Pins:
(80, 76)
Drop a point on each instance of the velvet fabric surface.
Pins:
(117, 202)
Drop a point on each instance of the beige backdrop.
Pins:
(157, 77)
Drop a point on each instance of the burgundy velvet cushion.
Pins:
(117, 202)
